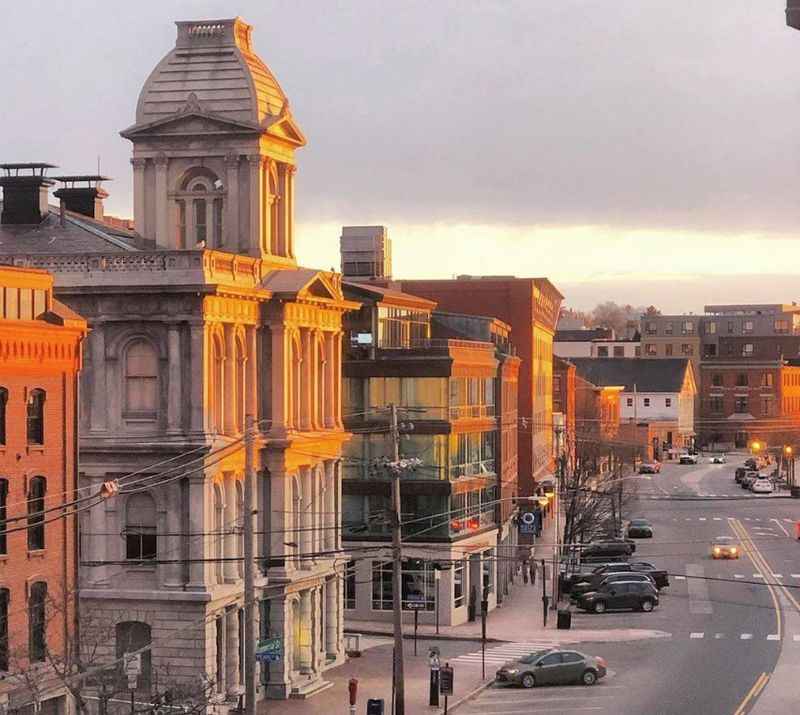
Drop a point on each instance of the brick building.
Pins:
(454, 377)
(531, 307)
(40, 356)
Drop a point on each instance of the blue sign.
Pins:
(268, 657)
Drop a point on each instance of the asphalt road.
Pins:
(734, 643)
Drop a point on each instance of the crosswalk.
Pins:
(497, 655)
(751, 519)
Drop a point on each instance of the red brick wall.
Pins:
(54, 460)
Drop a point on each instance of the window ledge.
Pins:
(129, 417)
(37, 553)
(35, 449)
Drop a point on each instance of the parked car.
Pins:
(687, 458)
(640, 529)
(740, 474)
(602, 550)
(552, 667)
(660, 576)
(619, 596)
(717, 459)
(650, 468)
(600, 581)
(751, 463)
(572, 574)
(762, 486)
(725, 547)
(749, 478)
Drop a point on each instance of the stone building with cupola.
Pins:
(199, 316)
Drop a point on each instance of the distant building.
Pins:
(594, 342)
(672, 336)
(40, 357)
(661, 392)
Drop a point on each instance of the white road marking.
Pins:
(699, 600)
(773, 637)
(696, 635)
(680, 578)
(796, 639)
(746, 636)
(747, 518)
(787, 520)
(796, 575)
(702, 518)
(781, 526)
(719, 636)
(758, 575)
(717, 518)
(738, 575)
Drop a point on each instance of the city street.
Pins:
(734, 625)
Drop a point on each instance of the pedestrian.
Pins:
(533, 572)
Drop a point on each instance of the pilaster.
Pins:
(306, 380)
(99, 408)
(138, 195)
(162, 211)
(174, 398)
(255, 241)
(230, 231)
(229, 390)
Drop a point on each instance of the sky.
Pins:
(643, 151)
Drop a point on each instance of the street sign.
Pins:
(268, 657)
(446, 680)
(415, 602)
(133, 664)
(133, 681)
(270, 645)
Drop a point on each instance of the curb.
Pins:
(469, 696)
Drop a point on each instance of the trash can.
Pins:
(564, 621)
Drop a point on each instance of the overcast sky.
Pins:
(645, 151)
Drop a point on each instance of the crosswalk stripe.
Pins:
(758, 575)
(773, 637)
(680, 578)
(746, 636)
(738, 575)
(717, 518)
(796, 575)
(702, 518)
(696, 635)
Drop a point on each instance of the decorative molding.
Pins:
(138, 163)
(192, 106)
(232, 160)
(161, 159)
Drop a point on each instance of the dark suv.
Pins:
(620, 595)
(600, 581)
(660, 576)
(603, 550)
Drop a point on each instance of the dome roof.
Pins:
(213, 68)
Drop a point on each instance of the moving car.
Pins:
(762, 486)
(687, 458)
(640, 529)
(620, 595)
(600, 581)
(552, 667)
(718, 459)
(725, 547)
(740, 474)
(650, 468)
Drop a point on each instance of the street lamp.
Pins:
(755, 446)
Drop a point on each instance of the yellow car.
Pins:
(725, 547)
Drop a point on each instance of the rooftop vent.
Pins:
(25, 189)
(86, 200)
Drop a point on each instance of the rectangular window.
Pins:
(629, 401)
(781, 327)
(350, 586)
(710, 350)
(3, 514)
(716, 380)
(650, 349)
(766, 406)
(668, 350)
(668, 328)
(646, 402)
(715, 405)
(711, 328)
(731, 327)
(619, 351)
(668, 402)
(766, 379)
(747, 350)
(419, 585)
(37, 622)
(488, 570)
(687, 328)
(459, 592)
(4, 629)
(602, 351)
(637, 351)
(652, 328)
(687, 349)
(741, 380)
(740, 406)
(747, 326)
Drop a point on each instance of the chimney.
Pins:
(25, 188)
(86, 200)
(366, 252)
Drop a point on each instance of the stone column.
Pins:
(251, 383)
(306, 505)
(139, 218)
(281, 380)
(337, 496)
(337, 382)
(306, 627)
(254, 243)
(306, 380)
(332, 618)
(330, 520)
(98, 576)
(230, 526)
(288, 201)
(230, 230)
(229, 390)
(197, 525)
(281, 228)
(174, 571)
(232, 649)
(99, 407)
(316, 380)
(174, 399)
(332, 378)
(198, 386)
(162, 203)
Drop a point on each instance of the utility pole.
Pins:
(557, 524)
(249, 563)
(397, 573)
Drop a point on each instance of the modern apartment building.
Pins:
(454, 380)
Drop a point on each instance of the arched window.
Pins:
(37, 621)
(36, 400)
(37, 488)
(3, 403)
(141, 539)
(3, 514)
(200, 216)
(141, 379)
(240, 386)
(132, 637)
(217, 383)
(200, 208)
